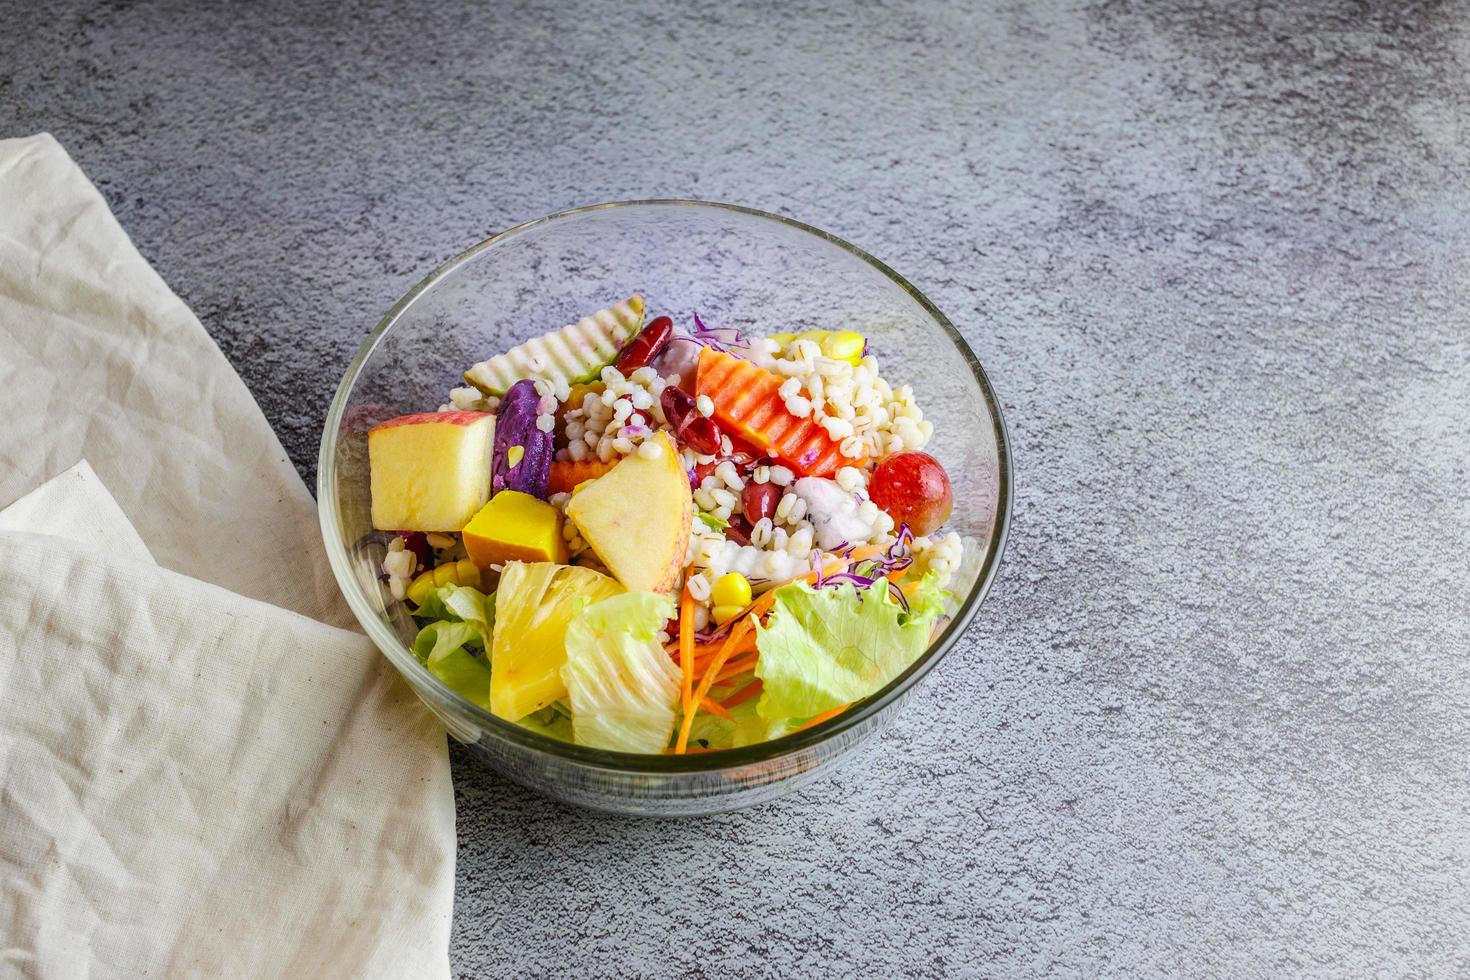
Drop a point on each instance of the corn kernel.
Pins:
(419, 589)
(844, 345)
(514, 455)
(730, 589)
(467, 572)
(723, 614)
(462, 572)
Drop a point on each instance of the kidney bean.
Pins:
(647, 344)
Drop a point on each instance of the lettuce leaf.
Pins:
(823, 648)
(623, 687)
(710, 731)
(554, 720)
(453, 645)
(712, 522)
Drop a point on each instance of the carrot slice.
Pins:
(748, 400)
(735, 668)
(686, 650)
(744, 694)
(827, 715)
(708, 680)
(566, 474)
(716, 709)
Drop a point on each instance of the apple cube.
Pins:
(430, 471)
(636, 517)
(515, 526)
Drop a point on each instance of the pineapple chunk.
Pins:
(533, 606)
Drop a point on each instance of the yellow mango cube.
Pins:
(515, 526)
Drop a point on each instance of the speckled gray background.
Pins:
(1214, 718)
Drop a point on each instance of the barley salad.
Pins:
(650, 539)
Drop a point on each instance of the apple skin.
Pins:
(430, 418)
(913, 489)
(430, 471)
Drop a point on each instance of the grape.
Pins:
(759, 500)
(913, 489)
(645, 346)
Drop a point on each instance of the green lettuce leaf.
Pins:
(928, 603)
(442, 648)
(823, 648)
(453, 645)
(712, 522)
(555, 720)
(710, 731)
(459, 603)
(622, 686)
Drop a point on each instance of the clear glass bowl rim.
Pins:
(627, 762)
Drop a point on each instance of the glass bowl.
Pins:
(735, 267)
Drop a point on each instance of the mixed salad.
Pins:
(644, 539)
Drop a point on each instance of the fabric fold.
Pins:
(201, 772)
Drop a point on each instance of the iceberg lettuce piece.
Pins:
(623, 687)
(453, 646)
(824, 648)
(712, 732)
(441, 647)
(554, 720)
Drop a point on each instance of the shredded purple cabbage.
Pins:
(710, 635)
(865, 574)
(723, 339)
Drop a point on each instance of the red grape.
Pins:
(645, 346)
(913, 489)
(759, 500)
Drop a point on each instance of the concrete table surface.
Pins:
(1214, 717)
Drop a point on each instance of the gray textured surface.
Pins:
(1216, 713)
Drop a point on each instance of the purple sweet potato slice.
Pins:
(522, 451)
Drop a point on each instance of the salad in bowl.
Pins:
(658, 538)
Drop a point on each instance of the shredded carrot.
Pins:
(747, 645)
(735, 668)
(686, 650)
(826, 716)
(737, 633)
(702, 651)
(715, 708)
(744, 694)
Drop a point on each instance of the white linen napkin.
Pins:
(100, 360)
(76, 505)
(195, 782)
